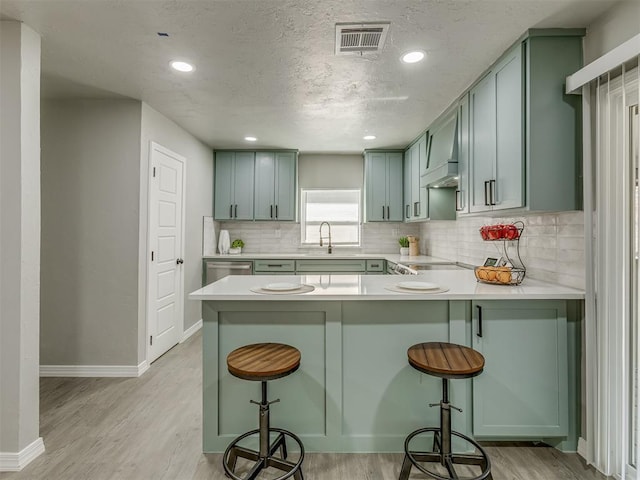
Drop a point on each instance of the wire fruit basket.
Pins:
(513, 271)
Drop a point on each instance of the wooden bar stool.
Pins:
(447, 361)
(263, 362)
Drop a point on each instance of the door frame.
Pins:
(153, 146)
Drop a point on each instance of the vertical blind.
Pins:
(611, 227)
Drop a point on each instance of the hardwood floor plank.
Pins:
(150, 428)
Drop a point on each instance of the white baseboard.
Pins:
(93, 370)
(191, 330)
(14, 462)
(583, 448)
(143, 367)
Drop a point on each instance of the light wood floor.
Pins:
(150, 428)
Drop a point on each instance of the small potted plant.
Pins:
(404, 246)
(236, 247)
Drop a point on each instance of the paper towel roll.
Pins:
(223, 242)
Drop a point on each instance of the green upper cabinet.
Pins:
(383, 186)
(523, 130)
(233, 194)
(524, 388)
(406, 182)
(463, 190)
(416, 206)
(497, 158)
(275, 186)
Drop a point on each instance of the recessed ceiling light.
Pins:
(413, 57)
(250, 139)
(182, 66)
(369, 137)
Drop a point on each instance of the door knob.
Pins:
(179, 261)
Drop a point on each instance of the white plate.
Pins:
(418, 285)
(280, 287)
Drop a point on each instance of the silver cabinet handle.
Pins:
(492, 192)
(407, 211)
(458, 200)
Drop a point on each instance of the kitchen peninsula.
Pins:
(355, 391)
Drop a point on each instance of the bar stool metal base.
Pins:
(234, 451)
(412, 458)
(265, 456)
(441, 451)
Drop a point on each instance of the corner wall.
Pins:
(20, 245)
(614, 27)
(90, 220)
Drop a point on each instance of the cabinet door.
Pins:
(462, 193)
(243, 186)
(285, 186)
(394, 187)
(407, 186)
(223, 195)
(415, 181)
(376, 186)
(264, 205)
(423, 194)
(509, 178)
(482, 101)
(523, 390)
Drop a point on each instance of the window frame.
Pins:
(304, 223)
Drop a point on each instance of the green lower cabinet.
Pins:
(330, 266)
(523, 391)
(271, 267)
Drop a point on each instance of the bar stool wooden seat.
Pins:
(447, 361)
(264, 362)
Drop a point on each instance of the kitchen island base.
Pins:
(355, 392)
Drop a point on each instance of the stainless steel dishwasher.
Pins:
(218, 270)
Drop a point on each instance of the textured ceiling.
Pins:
(267, 67)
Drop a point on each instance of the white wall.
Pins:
(19, 245)
(614, 27)
(330, 171)
(199, 203)
(90, 220)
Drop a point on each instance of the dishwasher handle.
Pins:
(229, 266)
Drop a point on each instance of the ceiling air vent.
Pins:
(360, 38)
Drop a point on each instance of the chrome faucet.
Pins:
(329, 237)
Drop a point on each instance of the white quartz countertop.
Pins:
(460, 285)
(391, 257)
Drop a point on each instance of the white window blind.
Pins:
(341, 208)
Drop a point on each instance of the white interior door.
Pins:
(166, 232)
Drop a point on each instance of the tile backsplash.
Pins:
(284, 237)
(551, 247)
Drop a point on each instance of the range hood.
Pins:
(442, 154)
